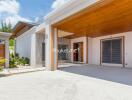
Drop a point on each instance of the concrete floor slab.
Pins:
(63, 85)
(110, 73)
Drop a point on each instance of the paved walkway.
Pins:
(61, 85)
(24, 69)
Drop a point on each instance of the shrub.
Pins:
(27, 61)
(16, 60)
(2, 62)
(24, 61)
(17, 55)
(12, 55)
(12, 64)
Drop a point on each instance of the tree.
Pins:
(12, 42)
(5, 27)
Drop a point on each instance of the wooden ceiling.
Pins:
(104, 18)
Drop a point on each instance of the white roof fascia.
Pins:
(40, 27)
(68, 9)
(5, 34)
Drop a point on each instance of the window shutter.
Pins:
(112, 51)
(106, 51)
(116, 51)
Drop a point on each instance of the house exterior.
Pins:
(95, 32)
(26, 39)
(4, 47)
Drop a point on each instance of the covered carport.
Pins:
(87, 18)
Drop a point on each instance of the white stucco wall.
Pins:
(76, 40)
(39, 40)
(128, 48)
(23, 44)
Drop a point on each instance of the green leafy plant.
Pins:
(27, 61)
(16, 55)
(24, 61)
(12, 62)
(2, 62)
(12, 45)
(16, 60)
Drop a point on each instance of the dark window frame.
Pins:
(122, 49)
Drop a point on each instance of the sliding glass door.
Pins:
(112, 51)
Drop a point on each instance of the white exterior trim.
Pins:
(4, 34)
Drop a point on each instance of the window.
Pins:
(112, 51)
(63, 52)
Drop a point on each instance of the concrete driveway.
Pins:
(114, 74)
(64, 85)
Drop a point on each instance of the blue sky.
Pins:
(35, 8)
(27, 10)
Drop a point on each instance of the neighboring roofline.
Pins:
(20, 25)
(28, 23)
(68, 9)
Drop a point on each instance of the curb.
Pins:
(17, 73)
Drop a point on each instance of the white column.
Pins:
(47, 47)
(7, 53)
(33, 50)
(51, 59)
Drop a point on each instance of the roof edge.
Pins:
(68, 9)
(5, 34)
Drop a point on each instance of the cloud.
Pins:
(36, 19)
(58, 3)
(9, 11)
(9, 6)
(15, 18)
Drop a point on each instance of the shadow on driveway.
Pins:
(119, 75)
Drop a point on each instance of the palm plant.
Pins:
(5, 27)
